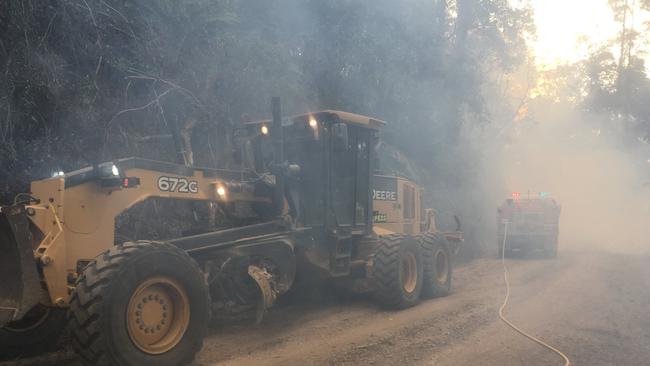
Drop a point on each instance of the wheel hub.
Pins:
(442, 269)
(409, 272)
(158, 315)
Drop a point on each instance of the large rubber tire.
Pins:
(39, 332)
(436, 258)
(99, 323)
(395, 286)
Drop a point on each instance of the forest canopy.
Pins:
(85, 81)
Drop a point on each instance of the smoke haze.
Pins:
(598, 181)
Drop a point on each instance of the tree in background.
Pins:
(92, 80)
(618, 83)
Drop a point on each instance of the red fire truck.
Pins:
(528, 224)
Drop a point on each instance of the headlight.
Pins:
(221, 191)
(107, 170)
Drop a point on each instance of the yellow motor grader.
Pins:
(302, 203)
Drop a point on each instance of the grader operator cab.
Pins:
(301, 203)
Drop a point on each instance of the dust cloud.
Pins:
(600, 182)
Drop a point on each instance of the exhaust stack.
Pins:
(277, 135)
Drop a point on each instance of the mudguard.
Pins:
(20, 287)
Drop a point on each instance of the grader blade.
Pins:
(19, 282)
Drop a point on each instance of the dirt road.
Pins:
(595, 307)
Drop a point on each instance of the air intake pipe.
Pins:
(277, 134)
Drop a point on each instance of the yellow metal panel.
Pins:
(392, 212)
(79, 222)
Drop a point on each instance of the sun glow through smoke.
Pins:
(567, 29)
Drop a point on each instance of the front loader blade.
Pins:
(20, 286)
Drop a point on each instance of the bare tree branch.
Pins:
(122, 16)
(142, 75)
(47, 31)
(149, 104)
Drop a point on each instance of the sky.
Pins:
(562, 23)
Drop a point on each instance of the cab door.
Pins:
(349, 182)
(349, 196)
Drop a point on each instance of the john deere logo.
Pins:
(384, 195)
(384, 189)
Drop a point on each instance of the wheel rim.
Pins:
(409, 272)
(442, 266)
(32, 320)
(158, 315)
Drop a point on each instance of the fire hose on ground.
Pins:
(567, 362)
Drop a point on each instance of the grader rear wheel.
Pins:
(397, 271)
(409, 272)
(140, 304)
(437, 265)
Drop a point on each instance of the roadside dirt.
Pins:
(591, 305)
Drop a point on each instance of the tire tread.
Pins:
(429, 243)
(386, 272)
(87, 299)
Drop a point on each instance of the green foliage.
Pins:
(619, 85)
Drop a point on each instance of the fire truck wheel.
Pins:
(551, 252)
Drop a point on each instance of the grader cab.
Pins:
(302, 203)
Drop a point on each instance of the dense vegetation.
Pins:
(92, 80)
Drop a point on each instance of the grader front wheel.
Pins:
(158, 315)
(140, 304)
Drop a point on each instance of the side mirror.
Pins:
(340, 136)
(430, 222)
